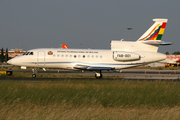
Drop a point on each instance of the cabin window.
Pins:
(74, 56)
(101, 56)
(92, 56)
(96, 56)
(62, 56)
(83, 56)
(54, 55)
(58, 55)
(79, 56)
(88, 56)
(66, 56)
(70, 56)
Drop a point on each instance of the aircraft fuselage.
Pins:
(70, 58)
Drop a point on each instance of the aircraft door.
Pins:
(41, 59)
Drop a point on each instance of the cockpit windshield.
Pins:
(28, 53)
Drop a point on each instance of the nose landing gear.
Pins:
(34, 72)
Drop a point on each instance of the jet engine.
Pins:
(125, 56)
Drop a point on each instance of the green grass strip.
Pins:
(104, 93)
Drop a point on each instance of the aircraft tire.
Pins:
(34, 75)
(98, 77)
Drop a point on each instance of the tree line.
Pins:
(4, 58)
(174, 53)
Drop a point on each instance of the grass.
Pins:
(89, 100)
(64, 111)
(105, 93)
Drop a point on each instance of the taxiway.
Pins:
(126, 74)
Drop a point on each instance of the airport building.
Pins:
(14, 52)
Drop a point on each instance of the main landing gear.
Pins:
(98, 75)
(34, 72)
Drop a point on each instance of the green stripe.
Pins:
(159, 37)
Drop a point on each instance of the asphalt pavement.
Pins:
(126, 74)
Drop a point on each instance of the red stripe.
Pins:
(163, 25)
(149, 34)
(156, 35)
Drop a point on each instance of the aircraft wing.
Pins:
(83, 67)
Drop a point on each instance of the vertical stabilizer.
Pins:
(149, 41)
(64, 46)
(155, 32)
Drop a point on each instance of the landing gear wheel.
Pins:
(34, 75)
(98, 76)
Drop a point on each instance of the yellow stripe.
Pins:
(161, 31)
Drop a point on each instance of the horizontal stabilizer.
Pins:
(155, 42)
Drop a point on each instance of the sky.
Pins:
(30, 24)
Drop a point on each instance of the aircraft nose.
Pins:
(15, 61)
(12, 61)
(9, 61)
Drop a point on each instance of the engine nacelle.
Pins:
(125, 56)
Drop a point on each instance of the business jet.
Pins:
(123, 54)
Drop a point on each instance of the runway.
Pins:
(126, 74)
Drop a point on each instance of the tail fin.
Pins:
(155, 32)
(149, 41)
(64, 46)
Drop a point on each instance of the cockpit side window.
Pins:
(28, 53)
(31, 53)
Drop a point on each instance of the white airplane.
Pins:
(171, 60)
(123, 54)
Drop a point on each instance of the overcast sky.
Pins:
(92, 23)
